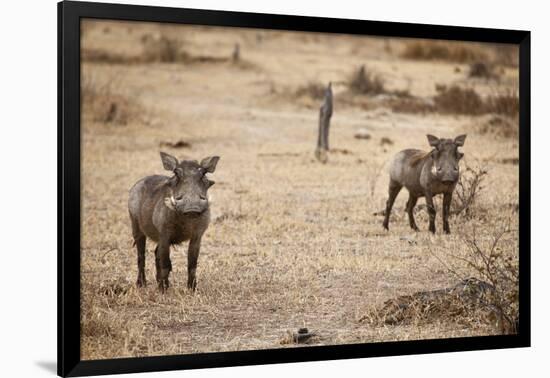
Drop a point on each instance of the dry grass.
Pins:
(498, 126)
(103, 104)
(504, 103)
(292, 243)
(411, 105)
(458, 52)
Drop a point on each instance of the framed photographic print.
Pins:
(239, 188)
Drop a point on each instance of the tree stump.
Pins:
(236, 56)
(325, 113)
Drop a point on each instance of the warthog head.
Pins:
(445, 156)
(189, 185)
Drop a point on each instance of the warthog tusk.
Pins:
(170, 203)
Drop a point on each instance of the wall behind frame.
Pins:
(29, 159)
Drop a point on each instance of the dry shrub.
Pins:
(482, 70)
(457, 100)
(488, 296)
(155, 48)
(462, 302)
(164, 49)
(362, 81)
(161, 48)
(507, 55)
(495, 259)
(467, 191)
(499, 126)
(506, 103)
(314, 90)
(158, 48)
(102, 104)
(102, 56)
(444, 50)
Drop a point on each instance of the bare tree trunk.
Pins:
(236, 56)
(325, 113)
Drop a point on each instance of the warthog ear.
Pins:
(210, 163)
(168, 161)
(459, 140)
(434, 141)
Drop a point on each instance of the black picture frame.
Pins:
(69, 16)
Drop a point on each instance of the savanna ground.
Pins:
(293, 242)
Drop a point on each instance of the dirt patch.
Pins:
(178, 144)
(411, 105)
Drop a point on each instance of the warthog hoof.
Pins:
(164, 285)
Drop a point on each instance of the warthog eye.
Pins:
(439, 169)
(179, 198)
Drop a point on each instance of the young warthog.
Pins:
(426, 174)
(171, 210)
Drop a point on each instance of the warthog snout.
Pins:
(189, 206)
(446, 174)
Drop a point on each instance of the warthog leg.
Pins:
(431, 210)
(140, 246)
(139, 242)
(163, 265)
(393, 191)
(447, 197)
(192, 258)
(411, 203)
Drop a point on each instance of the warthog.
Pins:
(426, 174)
(171, 210)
